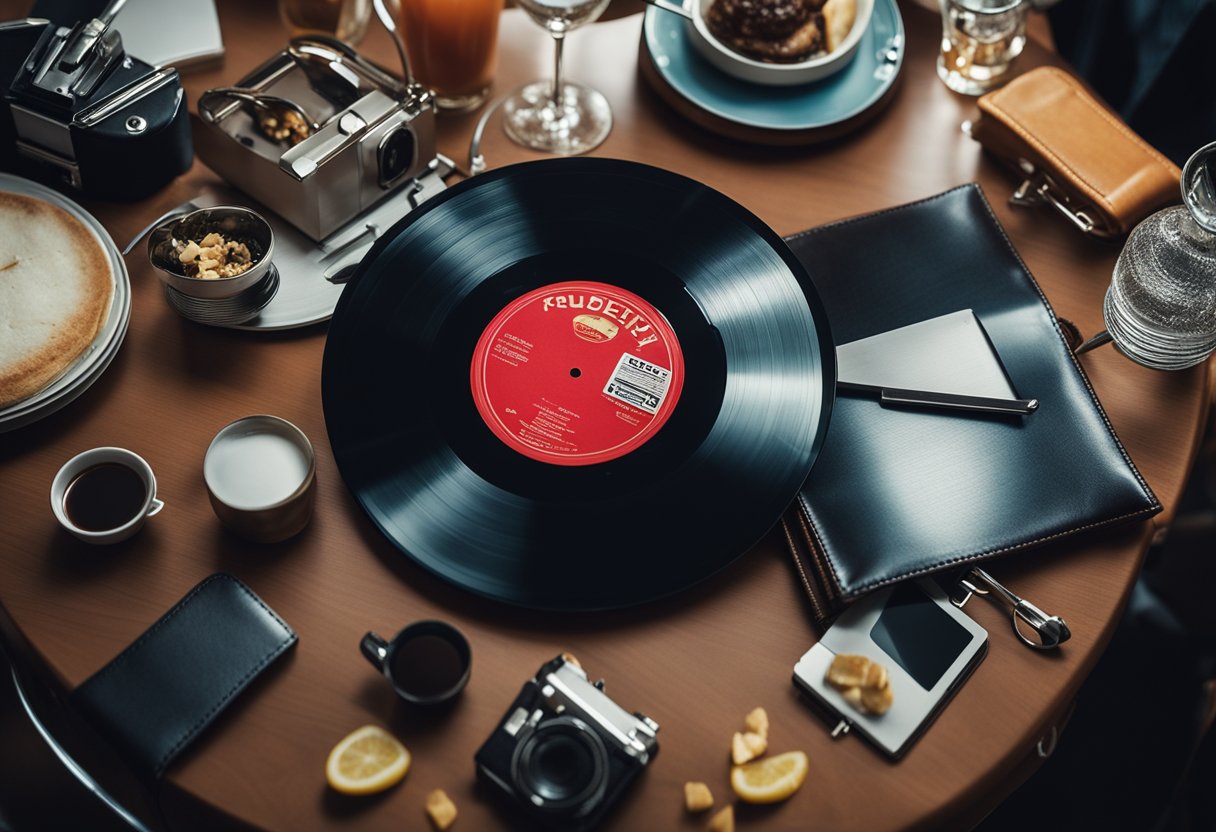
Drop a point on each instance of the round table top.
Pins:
(696, 663)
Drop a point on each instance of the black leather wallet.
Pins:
(159, 693)
(898, 493)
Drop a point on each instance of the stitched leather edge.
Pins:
(121, 658)
(822, 563)
(288, 640)
(222, 702)
(1055, 324)
(993, 106)
(191, 732)
(816, 608)
(804, 509)
(1153, 507)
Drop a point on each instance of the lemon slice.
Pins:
(367, 760)
(770, 780)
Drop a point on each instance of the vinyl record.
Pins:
(577, 384)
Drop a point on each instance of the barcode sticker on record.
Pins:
(639, 382)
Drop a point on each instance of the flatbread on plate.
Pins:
(56, 287)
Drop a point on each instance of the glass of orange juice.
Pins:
(453, 47)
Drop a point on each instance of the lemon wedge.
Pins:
(770, 780)
(367, 760)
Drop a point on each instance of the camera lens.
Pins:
(562, 766)
(396, 155)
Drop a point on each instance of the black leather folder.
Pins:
(898, 492)
(156, 696)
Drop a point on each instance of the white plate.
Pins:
(89, 366)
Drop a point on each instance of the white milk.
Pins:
(254, 470)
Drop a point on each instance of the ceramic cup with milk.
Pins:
(261, 475)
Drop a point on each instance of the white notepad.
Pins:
(176, 33)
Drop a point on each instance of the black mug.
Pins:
(427, 663)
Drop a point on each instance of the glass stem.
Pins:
(559, 38)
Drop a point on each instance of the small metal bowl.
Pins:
(232, 311)
(234, 223)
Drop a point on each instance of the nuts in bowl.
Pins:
(778, 42)
(214, 257)
(212, 253)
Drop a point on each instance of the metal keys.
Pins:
(1050, 631)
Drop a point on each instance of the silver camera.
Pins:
(362, 134)
(565, 753)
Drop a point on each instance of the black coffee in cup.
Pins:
(104, 496)
(427, 663)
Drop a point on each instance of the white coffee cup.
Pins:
(90, 459)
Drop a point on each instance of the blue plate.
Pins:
(837, 98)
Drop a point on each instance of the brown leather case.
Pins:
(1074, 152)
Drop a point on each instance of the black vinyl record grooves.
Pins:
(577, 384)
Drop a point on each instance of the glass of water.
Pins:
(1160, 309)
(559, 116)
(980, 39)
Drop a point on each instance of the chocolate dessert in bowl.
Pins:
(778, 42)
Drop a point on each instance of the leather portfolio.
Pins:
(1074, 153)
(175, 679)
(897, 493)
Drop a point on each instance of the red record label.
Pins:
(577, 373)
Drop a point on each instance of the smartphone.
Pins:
(928, 646)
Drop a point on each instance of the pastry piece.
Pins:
(757, 722)
(724, 821)
(848, 671)
(746, 746)
(440, 809)
(739, 752)
(697, 797)
(877, 700)
(56, 287)
(838, 18)
(863, 683)
(856, 671)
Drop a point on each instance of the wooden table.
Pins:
(697, 663)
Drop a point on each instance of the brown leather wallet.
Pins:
(1074, 153)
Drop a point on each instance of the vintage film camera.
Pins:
(364, 136)
(75, 108)
(565, 752)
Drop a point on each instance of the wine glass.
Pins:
(559, 116)
(1160, 309)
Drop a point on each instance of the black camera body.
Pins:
(565, 752)
(76, 109)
